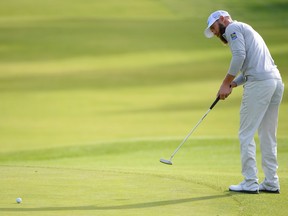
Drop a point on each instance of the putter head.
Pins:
(168, 162)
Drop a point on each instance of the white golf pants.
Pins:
(259, 111)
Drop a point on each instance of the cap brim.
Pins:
(208, 33)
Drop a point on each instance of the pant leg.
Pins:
(255, 102)
(268, 140)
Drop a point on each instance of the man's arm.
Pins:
(239, 80)
(237, 46)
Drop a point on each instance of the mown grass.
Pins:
(126, 178)
(93, 93)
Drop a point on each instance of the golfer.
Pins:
(253, 66)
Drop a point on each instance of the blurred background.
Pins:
(81, 72)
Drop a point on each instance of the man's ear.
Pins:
(221, 19)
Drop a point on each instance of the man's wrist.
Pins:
(233, 84)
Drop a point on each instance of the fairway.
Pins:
(94, 93)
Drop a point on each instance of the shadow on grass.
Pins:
(118, 207)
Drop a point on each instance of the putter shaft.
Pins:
(189, 134)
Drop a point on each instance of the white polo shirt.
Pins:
(250, 54)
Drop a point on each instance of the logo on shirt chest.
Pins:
(233, 36)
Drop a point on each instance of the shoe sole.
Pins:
(245, 191)
(268, 191)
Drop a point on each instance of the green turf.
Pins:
(94, 93)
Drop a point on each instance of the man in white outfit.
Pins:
(263, 91)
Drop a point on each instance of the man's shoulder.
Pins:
(234, 31)
(237, 26)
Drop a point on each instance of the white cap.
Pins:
(213, 18)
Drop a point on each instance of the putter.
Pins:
(169, 162)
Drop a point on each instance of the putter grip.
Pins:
(215, 102)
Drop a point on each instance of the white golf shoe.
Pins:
(245, 187)
(267, 189)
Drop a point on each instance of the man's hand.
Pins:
(226, 87)
(224, 91)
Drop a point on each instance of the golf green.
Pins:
(94, 93)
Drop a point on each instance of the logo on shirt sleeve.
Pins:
(233, 36)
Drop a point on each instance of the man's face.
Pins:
(218, 30)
